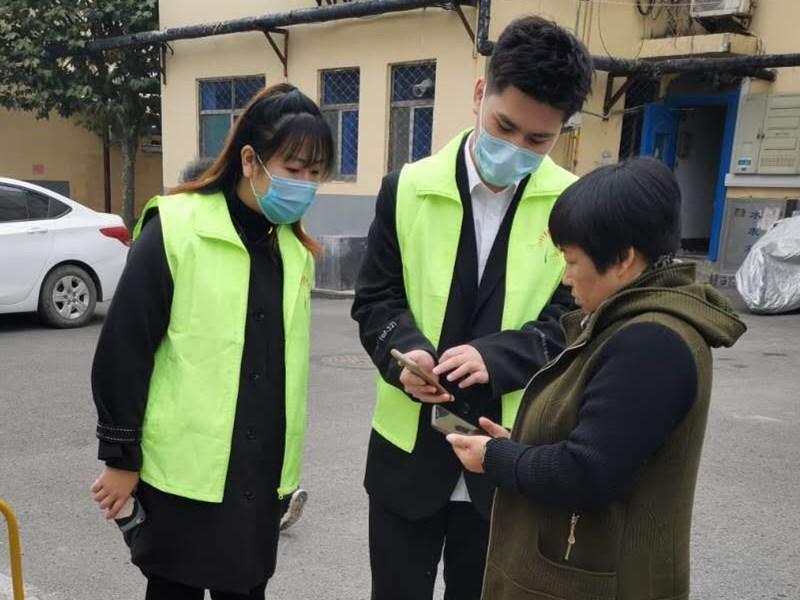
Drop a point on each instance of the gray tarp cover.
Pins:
(769, 278)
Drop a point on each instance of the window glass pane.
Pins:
(398, 137)
(340, 87)
(37, 205)
(12, 205)
(213, 131)
(413, 82)
(57, 186)
(216, 95)
(56, 209)
(423, 132)
(245, 89)
(349, 145)
(332, 119)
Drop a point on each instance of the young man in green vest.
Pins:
(462, 276)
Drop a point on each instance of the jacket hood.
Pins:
(671, 290)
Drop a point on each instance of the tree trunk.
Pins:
(106, 171)
(130, 146)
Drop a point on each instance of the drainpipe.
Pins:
(302, 16)
(740, 65)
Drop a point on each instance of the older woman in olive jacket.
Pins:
(596, 481)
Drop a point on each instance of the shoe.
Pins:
(295, 509)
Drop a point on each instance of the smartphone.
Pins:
(129, 518)
(130, 515)
(409, 364)
(447, 422)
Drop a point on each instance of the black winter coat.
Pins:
(416, 485)
(230, 546)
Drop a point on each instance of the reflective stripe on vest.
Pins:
(428, 219)
(191, 405)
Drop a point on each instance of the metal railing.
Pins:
(15, 551)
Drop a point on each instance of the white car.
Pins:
(57, 257)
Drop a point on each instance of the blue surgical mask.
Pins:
(501, 163)
(287, 200)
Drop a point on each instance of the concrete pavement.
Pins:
(746, 537)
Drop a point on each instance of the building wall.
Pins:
(775, 29)
(57, 149)
(775, 26)
(373, 45)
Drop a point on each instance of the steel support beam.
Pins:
(467, 26)
(613, 97)
(282, 54)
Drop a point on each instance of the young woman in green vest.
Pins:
(596, 483)
(200, 373)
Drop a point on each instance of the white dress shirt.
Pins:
(488, 211)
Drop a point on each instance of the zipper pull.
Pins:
(573, 522)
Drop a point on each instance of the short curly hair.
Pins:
(543, 61)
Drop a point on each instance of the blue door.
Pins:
(660, 133)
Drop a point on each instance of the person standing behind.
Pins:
(461, 275)
(195, 169)
(201, 370)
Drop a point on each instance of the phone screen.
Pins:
(447, 422)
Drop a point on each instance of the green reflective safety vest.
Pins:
(428, 219)
(188, 422)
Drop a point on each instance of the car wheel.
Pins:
(68, 297)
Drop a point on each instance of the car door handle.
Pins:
(37, 231)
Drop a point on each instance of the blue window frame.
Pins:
(411, 113)
(339, 97)
(221, 102)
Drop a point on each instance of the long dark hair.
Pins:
(278, 120)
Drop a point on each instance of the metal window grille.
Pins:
(640, 93)
(339, 96)
(221, 102)
(411, 113)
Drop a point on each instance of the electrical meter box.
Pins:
(780, 148)
(767, 140)
(749, 132)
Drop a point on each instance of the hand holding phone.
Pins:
(408, 363)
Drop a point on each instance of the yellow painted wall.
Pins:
(373, 45)
(775, 25)
(68, 152)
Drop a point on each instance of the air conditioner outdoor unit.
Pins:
(721, 8)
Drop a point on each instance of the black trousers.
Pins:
(163, 589)
(404, 555)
